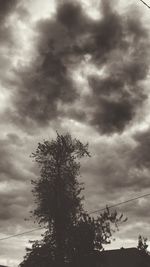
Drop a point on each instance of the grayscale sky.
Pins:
(80, 67)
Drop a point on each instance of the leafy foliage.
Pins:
(142, 244)
(71, 233)
(57, 191)
(58, 187)
(91, 233)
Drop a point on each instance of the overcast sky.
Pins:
(81, 67)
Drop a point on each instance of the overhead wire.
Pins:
(145, 3)
(95, 211)
(120, 203)
(23, 233)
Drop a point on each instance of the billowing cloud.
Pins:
(118, 93)
(6, 8)
(46, 84)
(11, 14)
(117, 45)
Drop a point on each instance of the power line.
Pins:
(95, 211)
(145, 3)
(120, 203)
(27, 232)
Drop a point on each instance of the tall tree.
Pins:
(57, 191)
(72, 235)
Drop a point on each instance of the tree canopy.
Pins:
(71, 234)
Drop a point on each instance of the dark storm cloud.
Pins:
(9, 10)
(111, 115)
(117, 95)
(119, 44)
(44, 86)
(46, 83)
(7, 7)
(141, 154)
(71, 16)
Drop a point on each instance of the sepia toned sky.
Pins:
(80, 67)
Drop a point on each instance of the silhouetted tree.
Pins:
(71, 234)
(92, 233)
(57, 191)
(142, 244)
(40, 255)
(143, 248)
